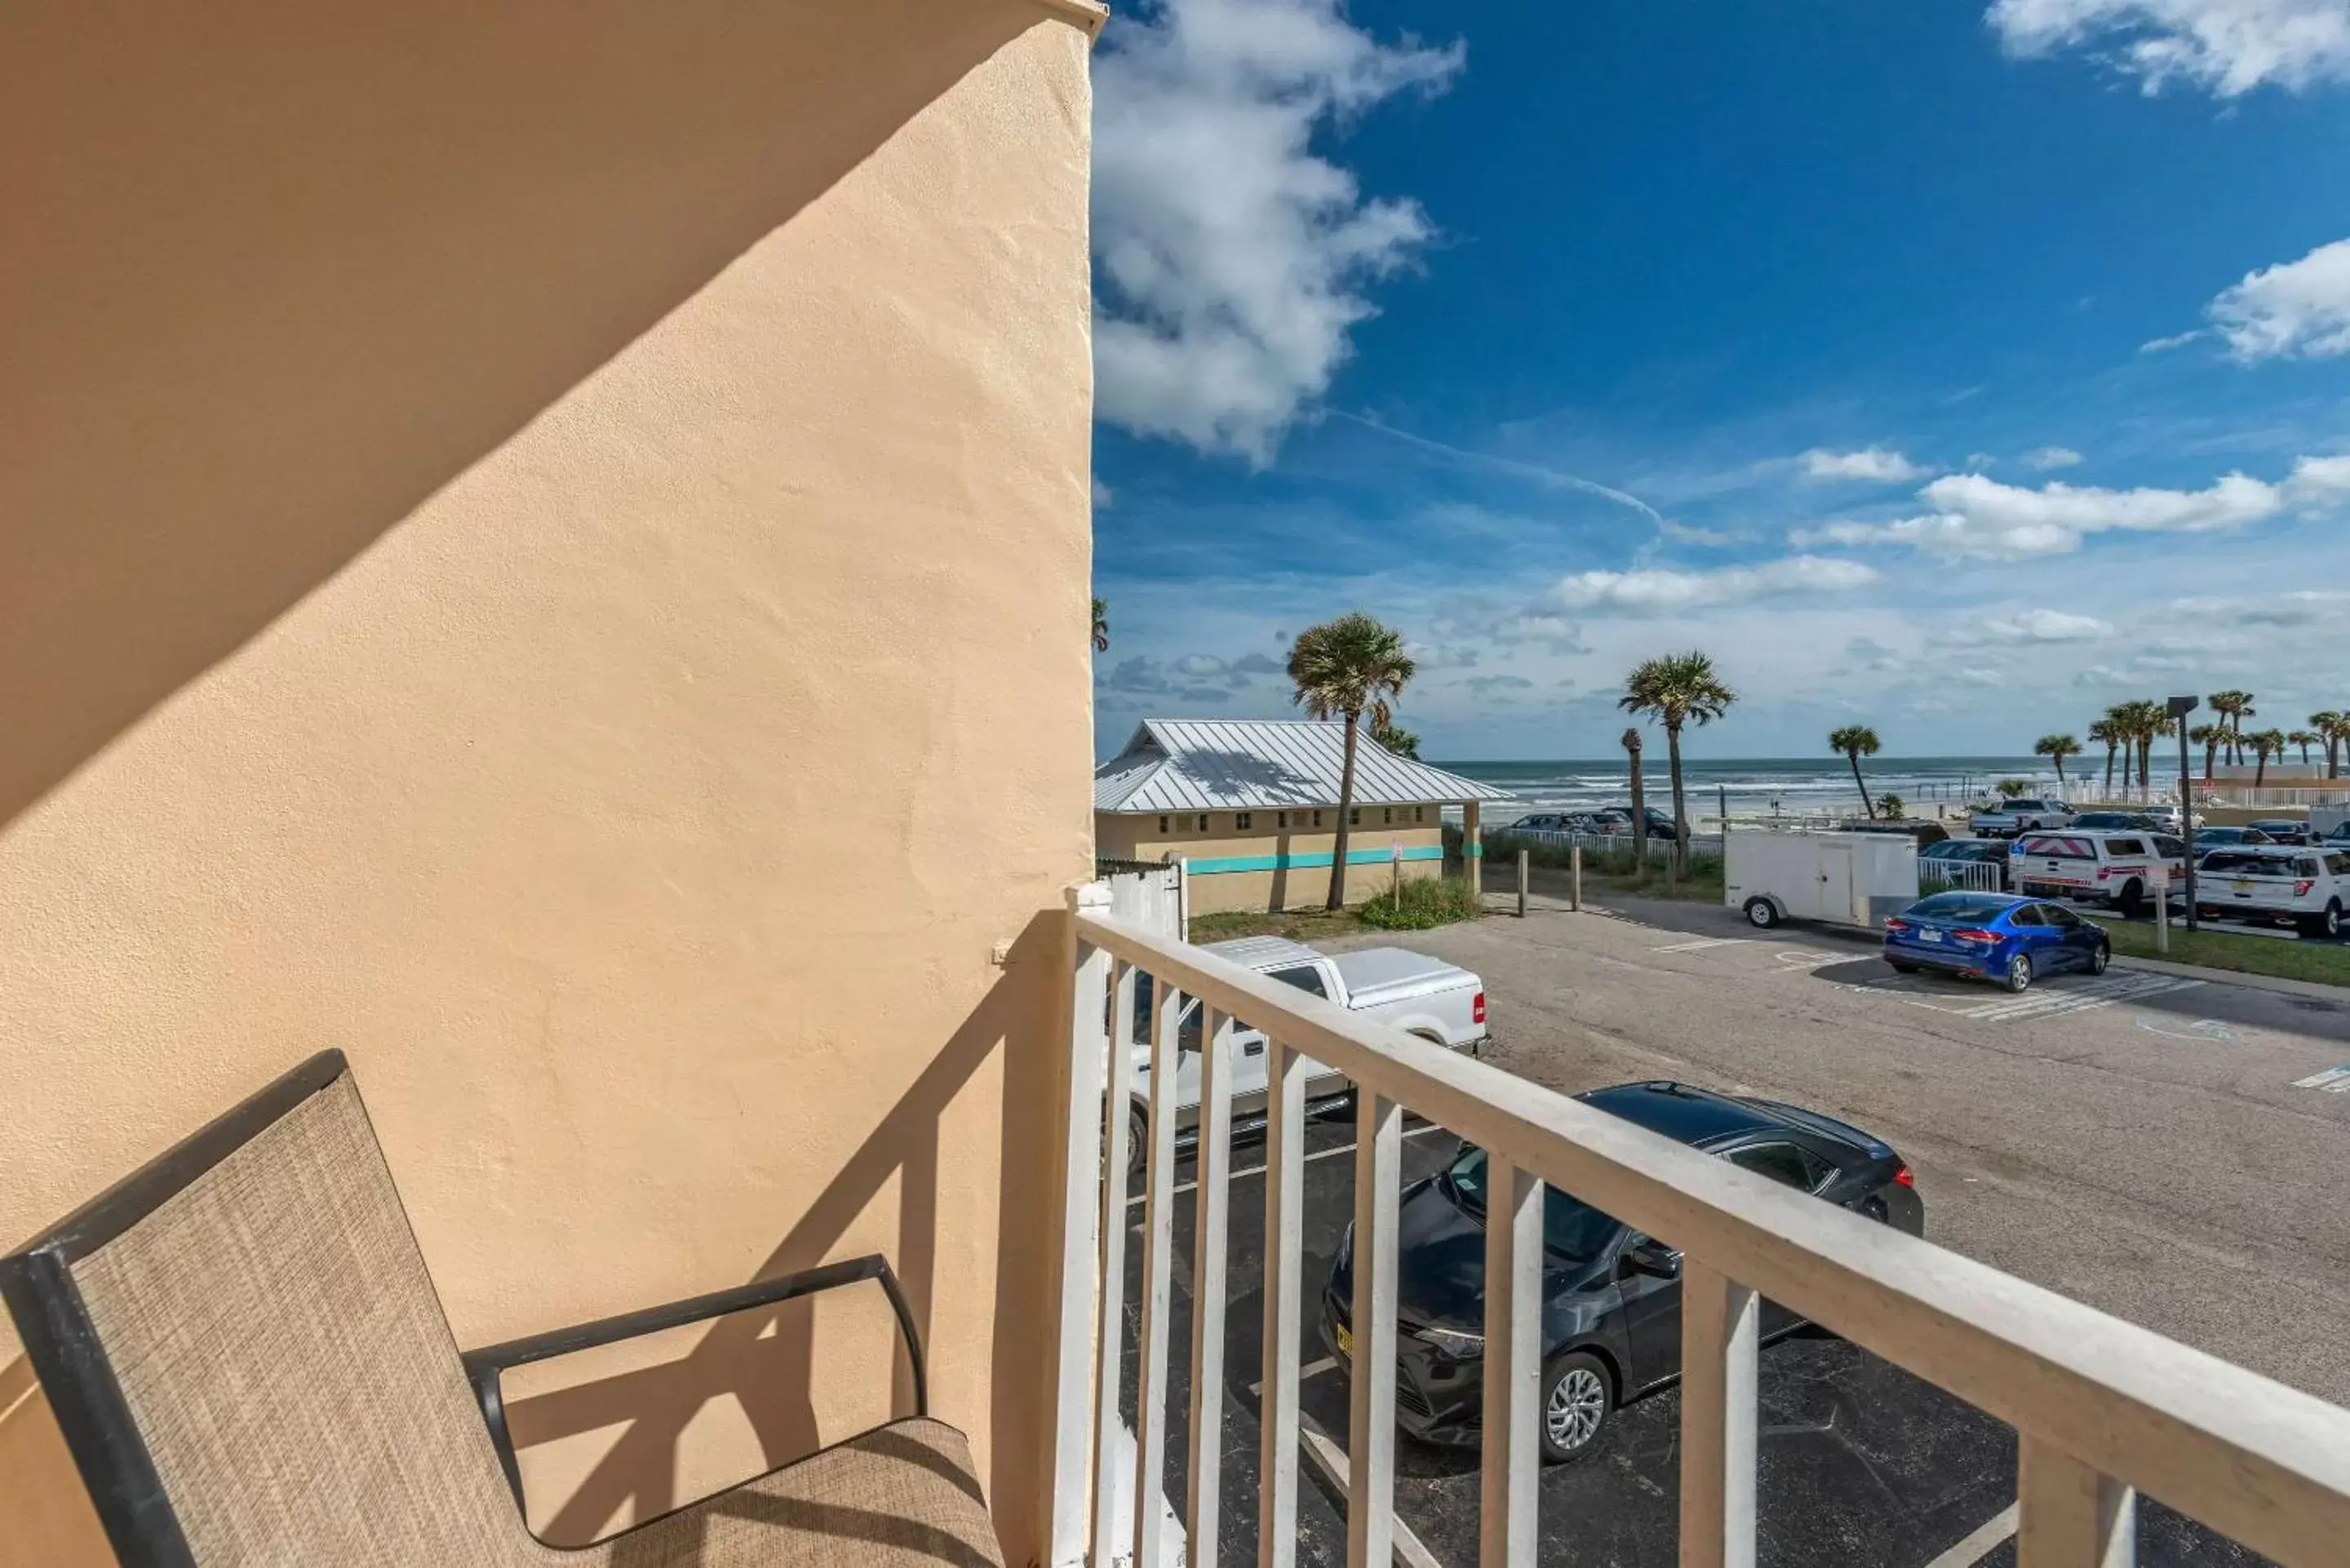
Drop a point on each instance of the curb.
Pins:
(2277, 983)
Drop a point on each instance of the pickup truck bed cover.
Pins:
(1374, 975)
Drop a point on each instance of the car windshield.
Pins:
(1960, 906)
(1571, 1228)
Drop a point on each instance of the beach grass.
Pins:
(2327, 963)
(1424, 904)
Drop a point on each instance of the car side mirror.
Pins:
(1646, 1255)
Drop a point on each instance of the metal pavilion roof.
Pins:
(1245, 765)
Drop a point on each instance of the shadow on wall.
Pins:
(766, 1359)
(283, 269)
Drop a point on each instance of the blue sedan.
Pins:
(1999, 938)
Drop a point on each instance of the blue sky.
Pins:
(1961, 367)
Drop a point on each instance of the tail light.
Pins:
(1975, 935)
(1905, 1177)
(1477, 1008)
(2302, 886)
(1896, 923)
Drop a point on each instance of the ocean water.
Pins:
(1796, 786)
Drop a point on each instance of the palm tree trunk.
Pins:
(1681, 806)
(2060, 772)
(1345, 810)
(1857, 782)
(2211, 757)
(2144, 760)
(2109, 768)
(2260, 773)
(1639, 816)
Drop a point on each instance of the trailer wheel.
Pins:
(1762, 913)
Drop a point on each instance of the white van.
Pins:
(2120, 867)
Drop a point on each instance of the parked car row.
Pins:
(2243, 873)
(1604, 822)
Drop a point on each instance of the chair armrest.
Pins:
(484, 1367)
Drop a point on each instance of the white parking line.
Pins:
(2334, 1081)
(1700, 946)
(2103, 991)
(1331, 1460)
(1978, 1546)
(1258, 1170)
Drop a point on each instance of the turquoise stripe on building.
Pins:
(1208, 867)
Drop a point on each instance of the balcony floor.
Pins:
(1861, 1465)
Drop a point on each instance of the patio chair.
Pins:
(250, 1366)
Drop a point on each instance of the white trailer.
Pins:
(1842, 879)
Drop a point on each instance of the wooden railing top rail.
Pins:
(2264, 1464)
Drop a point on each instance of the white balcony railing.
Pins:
(2101, 1408)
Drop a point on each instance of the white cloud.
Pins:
(1661, 592)
(2164, 345)
(1876, 464)
(2227, 46)
(2046, 626)
(2297, 309)
(1232, 258)
(1103, 496)
(1976, 517)
(2048, 457)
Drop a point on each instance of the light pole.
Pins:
(2179, 708)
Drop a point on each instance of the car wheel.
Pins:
(1137, 1149)
(2018, 973)
(2132, 902)
(2099, 958)
(2326, 925)
(1577, 1395)
(1761, 914)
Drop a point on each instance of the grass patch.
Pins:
(1427, 902)
(1615, 873)
(2327, 964)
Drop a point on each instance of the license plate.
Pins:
(2240, 886)
(1345, 1340)
(1929, 935)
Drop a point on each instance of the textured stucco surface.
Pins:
(553, 550)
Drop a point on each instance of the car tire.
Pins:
(2101, 958)
(1900, 967)
(1762, 913)
(2131, 902)
(1137, 1149)
(1577, 1398)
(2326, 927)
(2018, 978)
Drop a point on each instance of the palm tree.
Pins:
(2333, 728)
(2135, 724)
(1675, 689)
(1101, 626)
(1856, 741)
(2059, 747)
(1402, 743)
(1632, 744)
(2103, 731)
(2264, 744)
(2304, 739)
(1345, 669)
(2233, 708)
(2208, 737)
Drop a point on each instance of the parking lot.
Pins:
(2166, 1149)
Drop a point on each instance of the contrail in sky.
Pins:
(1527, 470)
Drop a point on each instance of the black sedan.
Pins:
(1611, 1296)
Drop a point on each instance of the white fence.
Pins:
(1975, 876)
(2100, 1406)
(2245, 795)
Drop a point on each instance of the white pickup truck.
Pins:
(2006, 818)
(1441, 1002)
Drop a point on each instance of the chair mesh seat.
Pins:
(285, 1362)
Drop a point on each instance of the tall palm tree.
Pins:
(2135, 724)
(1402, 743)
(1632, 744)
(2102, 732)
(2264, 744)
(2304, 739)
(1345, 669)
(2333, 728)
(1675, 689)
(1856, 741)
(1101, 626)
(2059, 747)
(2208, 737)
(2233, 708)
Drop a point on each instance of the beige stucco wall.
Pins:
(1137, 837)
(547, 548)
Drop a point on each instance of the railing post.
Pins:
(1371, 1432)
(1513, 1452)
(1116, 1098)
(1064, 1506)
(1285, 1235)
(1211, 1204)
(1720, 1336)
(1157, 1287)
(1522, 855)
(2067, 1515)
(1575, 884)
